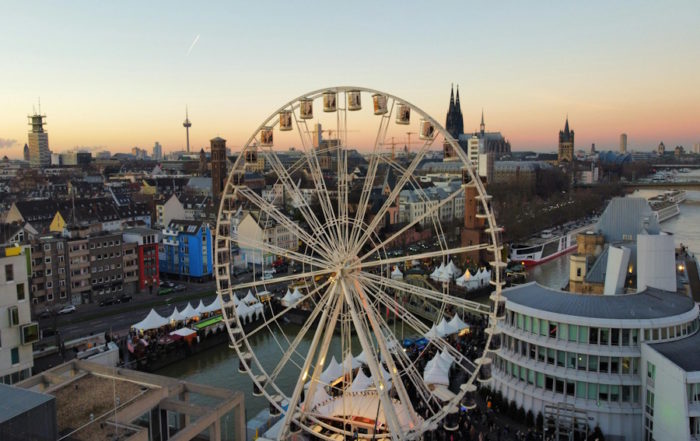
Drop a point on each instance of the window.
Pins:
(14, 356)
(570, 388)
(583, 334)
(47, 247)
(552, 330)
(615, 337)
(47, 259)
(592, 391)
(626, 365)
(571, 360)
(559, 386)
(626, 394)
(561, 358)
(580, 389)
(592, 363)
(549, 383)
(626, 338)
(573, 332)
(13, 312)
(604, 336)
(20, 292)
(9, 273)
(614, 365)
(603, 364)
(603, 392)
(563, 331)
(651, 371)
(582, 362)
(593, 336)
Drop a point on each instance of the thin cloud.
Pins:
(7, 143)
(196, 39)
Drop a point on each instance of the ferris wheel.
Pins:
(328, 213)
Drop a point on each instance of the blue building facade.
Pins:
(186, 250)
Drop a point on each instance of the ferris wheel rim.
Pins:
(292, 105)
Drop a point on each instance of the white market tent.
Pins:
(452, 270)
(189, 312)
(288, 300)
(432, 334)
(213, 306)
(176, 316)
(443, 328)
(361, 382)
(437, 370)
(457, 324)
(363, 404)
(296, 295)
(351, 363)
(332, 372)
(200, 307)
(244, 311)
(320, 396)
(435, 275)
(152, 321)
(397, 274)
(464, 278)
(250, 298)
(183, 332)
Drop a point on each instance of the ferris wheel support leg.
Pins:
(382, 391)
(294, 400)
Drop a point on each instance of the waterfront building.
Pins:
(414, 203)
(260, 229)
(39, 153)
(17, 331)
(623, 143)
(186, 250)
(147, 261)
(565, 152)
(218, 167)
(589, 356)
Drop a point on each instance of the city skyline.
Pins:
(113, 79)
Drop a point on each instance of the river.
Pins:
(219, 366)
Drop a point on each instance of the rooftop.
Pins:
(15, 401)
(683, 353)
(651, 303)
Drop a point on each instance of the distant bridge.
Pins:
(675, 165)
(686, 185)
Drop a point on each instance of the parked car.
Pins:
(164, 291)
(45, 314)
(108, 301)
(179, 287)
(67, 309)
(125, 299)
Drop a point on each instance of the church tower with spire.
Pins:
(565, 152)
(454, 124)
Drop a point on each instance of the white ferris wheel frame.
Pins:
(363, 284)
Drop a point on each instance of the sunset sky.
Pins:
(118, 74)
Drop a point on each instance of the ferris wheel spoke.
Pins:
(294, 345)
(428, 255)
(294, 399)
(432, 209)
(276, 280)
(428, 294)
(409, 368)
(272, 212)
(377, 376)
(258, 246)
(298, 199)
(418, 325)
(276, 317)
(393, 195)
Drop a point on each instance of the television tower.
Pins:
(187, 124)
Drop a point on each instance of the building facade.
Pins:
(147, 255)
(49, 276)
(39, 153)
(17, 331)
(253, 229)
(186, 250)
(218, 167)
(586, 352)
(106, 269)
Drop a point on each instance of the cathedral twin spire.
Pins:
(455, 121)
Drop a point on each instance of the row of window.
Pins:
(105, 244)
(99, 269)
(105, 256)
(572, 360)
(601, 393)
(594, 335)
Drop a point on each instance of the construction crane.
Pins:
(407, 147)
(393, 149)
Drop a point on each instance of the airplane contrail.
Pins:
(196, 39)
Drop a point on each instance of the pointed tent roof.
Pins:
(397, 274)
(152, 321)
(250, 298)
(457, 324)
(443, 328)
(350, 363)
(361, 382)
(333, 371)
(200, 308)
(213, 306)
(432, 334)
(176, 316)
(189, 312)
(320, 396)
